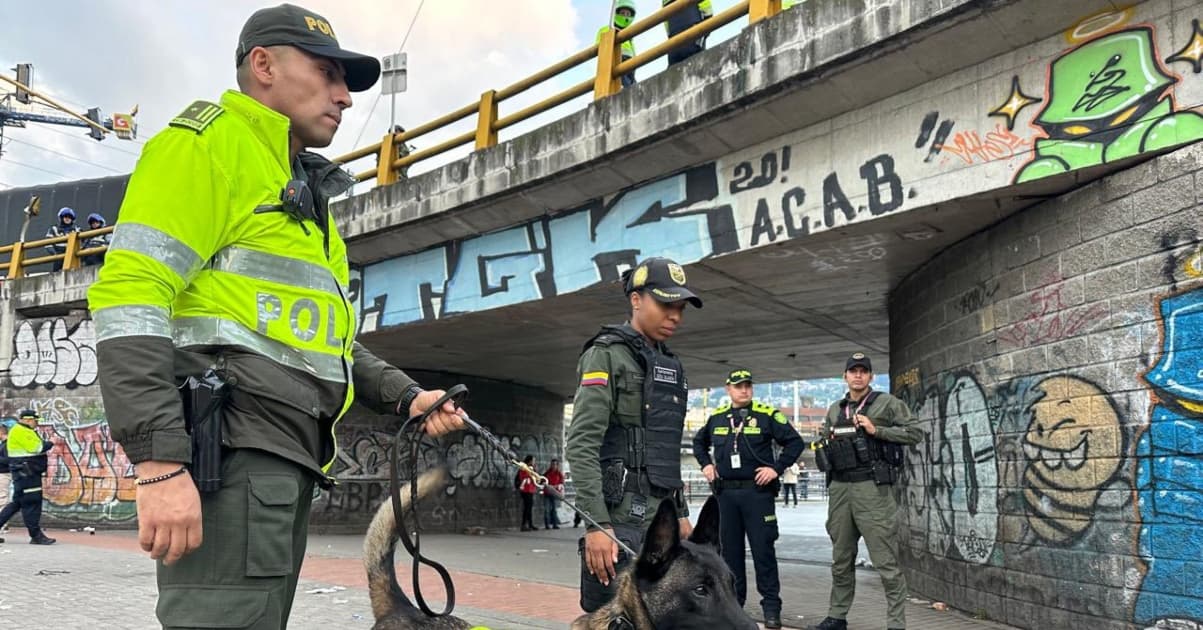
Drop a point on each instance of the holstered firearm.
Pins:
(204, 399)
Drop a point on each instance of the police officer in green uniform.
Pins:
(861, 453)
(226, 260)
(628, 417)
(744, 473)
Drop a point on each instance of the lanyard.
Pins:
(850, 415)
(735, 430)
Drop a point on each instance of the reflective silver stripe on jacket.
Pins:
(159, 245)
(132, 321)
(214, 331)
(278, 269)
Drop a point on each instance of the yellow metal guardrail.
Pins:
(606, 81)
(390, 163)
(19, 258)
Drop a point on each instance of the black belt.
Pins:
(852, 476)
(739, 484)
(637, 478)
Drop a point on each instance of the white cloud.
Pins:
(164, 54)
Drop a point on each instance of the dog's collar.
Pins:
(621, 623)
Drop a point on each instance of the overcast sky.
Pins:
(162, 55)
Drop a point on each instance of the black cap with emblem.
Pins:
(739, 376)
(858, 360)
(661, 278)
(290, 25)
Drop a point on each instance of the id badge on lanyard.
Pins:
(851, 415)
(735, 431)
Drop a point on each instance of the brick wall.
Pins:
(1056, 363)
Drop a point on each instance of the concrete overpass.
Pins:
(989, 197)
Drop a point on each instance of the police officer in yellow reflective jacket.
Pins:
(624, 15)
(628, 417)
(226, 256)
(25, 457)
(745, 476)
(861, 452)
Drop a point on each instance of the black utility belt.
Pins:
(741, 484)
(853, 476)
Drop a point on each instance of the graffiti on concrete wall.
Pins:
(1074, 446)
(53, 354)
(364, 468)
(705, 211)
(1049, 316)
(1169, 477)
(1110, 97)
(951, 477)
(1046, 447)
(53, 371)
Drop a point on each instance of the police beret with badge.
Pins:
(661, 278)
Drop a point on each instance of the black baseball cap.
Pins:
(739, 376)
(858, 359)
(290, 25)
(662, 278)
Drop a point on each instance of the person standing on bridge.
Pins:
(861, 453)
(624, 15)
(65, 226)
(25, 453)
(745, 477)
(95, 222)
(628, 417)
(682, 21)
(226, 269)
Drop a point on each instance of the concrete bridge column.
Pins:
(1056, 363)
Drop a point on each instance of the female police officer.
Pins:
(628, 417)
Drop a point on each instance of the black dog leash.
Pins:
(417, 424)
(414, 546)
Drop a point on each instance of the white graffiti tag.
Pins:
(53, 354)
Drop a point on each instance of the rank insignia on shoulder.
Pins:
(198, 116)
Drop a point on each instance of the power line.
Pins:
(66, 155)
(36, 168)
(379, 94)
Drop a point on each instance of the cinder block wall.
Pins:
(1056, 364)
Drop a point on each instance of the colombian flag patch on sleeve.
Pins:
(598, 379)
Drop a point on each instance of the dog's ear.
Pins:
(662, 541)
(706, 531)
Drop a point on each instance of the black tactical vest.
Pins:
(654, 448)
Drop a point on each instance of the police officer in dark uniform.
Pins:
(744, 473)
(861, 452)
(628, 417)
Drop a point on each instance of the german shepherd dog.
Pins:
(390, 606)
(675, 584)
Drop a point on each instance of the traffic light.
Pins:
(24, 77)
(94, 116)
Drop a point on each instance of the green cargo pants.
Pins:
(630, 529)
(244, 574)
(869, 510)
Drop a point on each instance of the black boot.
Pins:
(772, 619)
(42, 539)
(831, 623)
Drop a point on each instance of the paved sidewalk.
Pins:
(504, 580)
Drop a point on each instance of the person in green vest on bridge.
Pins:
(624, 15)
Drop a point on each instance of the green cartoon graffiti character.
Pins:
(1108, 99)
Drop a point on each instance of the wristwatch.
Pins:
(407, 399)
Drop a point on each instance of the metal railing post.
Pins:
(608, 54)
(385, 173)
(486, 119)
(762, 9)
(71, 253)
(14, 262)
